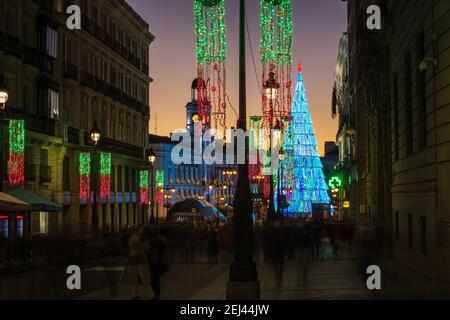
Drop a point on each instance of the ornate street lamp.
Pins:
(95, 134)
(3, 99)
(4, 94)
(272, 85)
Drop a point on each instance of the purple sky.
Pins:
(318, 25)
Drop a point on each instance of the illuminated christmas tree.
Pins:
(305, 182)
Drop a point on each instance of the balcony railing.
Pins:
(29, 55)
(73, 135)
(114, 93)
(117, 147)
(70, 71)
(113, 44)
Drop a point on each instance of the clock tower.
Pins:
(192, 112)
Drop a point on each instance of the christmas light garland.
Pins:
(85, 176)
(276, 58)
(16, 161)
(211, 49)
(143, 187)
(160, 179)
(105, 176)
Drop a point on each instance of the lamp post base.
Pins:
(243, 284)
(243, 291)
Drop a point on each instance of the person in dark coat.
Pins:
(156, 263)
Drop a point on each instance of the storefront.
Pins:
(14, 217)
(43, 216)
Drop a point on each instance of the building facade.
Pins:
(419, 42)
(394, 106)
(214, 183)
(61, 83)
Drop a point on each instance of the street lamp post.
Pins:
(151, 160)
(280, 181)
(243, 282)
(3, 99)
(95, 136)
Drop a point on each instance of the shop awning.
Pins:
(10, 203)
(37, 202)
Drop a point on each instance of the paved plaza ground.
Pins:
(328, 277)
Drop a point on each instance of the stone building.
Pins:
(61, 83)
(419, 39)
(397, 100)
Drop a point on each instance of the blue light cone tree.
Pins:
(304, 181)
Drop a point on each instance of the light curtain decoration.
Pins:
(143, 187)
(276, 58)
(105, 176)
(16, 159)
(211, 47)
(85, 176)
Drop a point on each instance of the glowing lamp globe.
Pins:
(95, 134)
(3, 95)
(152, 156)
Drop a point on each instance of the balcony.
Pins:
(114, 93)
(29, 55)
(95, 30)
(33, 122)
(70, 71)
(46, 174)
(145, 69)
(117, 147)
(73, 135)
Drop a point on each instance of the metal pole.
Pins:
(243, 275)
(152, 205)
(279, 191)
(94, 211)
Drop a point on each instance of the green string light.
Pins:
(85, 163)
(143, 180)
(276, 34)
(160, 179)
(210, 30)
(105, 163)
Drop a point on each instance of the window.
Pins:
(53, 104)
(66, 174)
(119, 179)
(421, 94)
(4, 227)
(39, 223)
(51, 43)
(20, 226)
(127, 179)
(423, 234)
(397, 226)
(410, 231)
(408, 105)
(395, 124)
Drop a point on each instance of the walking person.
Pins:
(136, 272)
(213, 246)
(156, 262)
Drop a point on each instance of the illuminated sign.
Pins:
(335, 183)
(346, 204)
